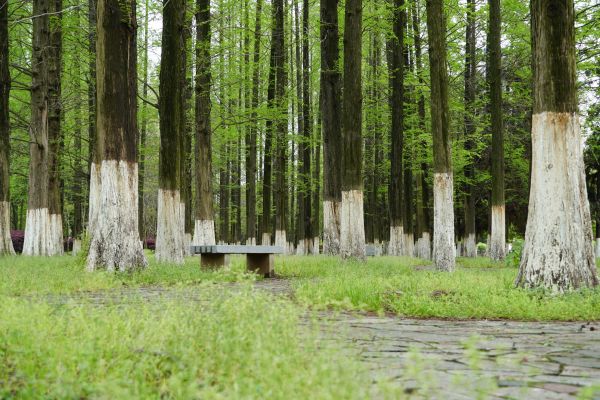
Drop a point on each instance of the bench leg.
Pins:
(212, 261)
(261, 264)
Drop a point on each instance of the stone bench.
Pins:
(259, 259)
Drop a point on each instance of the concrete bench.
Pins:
(259, 259)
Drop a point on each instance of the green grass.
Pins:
(40, 275)
(242, 345)
(477, 289)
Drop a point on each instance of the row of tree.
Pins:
(272, 146)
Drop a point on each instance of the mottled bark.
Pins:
(557, 253)
(443, 223)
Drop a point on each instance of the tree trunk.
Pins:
(6, 246)
(396, 65)
(204, 224)
(170, 238)
(115, 241)
(352, 230)
(470, 82)
(143, 131)
(497, 250)
(557, 253)
(331, 124)
(78, 171)
(305, 147)
(443, 204)
(316, 193)
(93, 157)
(38, 239)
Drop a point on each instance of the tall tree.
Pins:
(115, 243)
(557, 253)
(396, 66)
(304, 147)
(204, 225)
(352, 229)
(443, 202)
(93, 158)
(331, 126)
(252, 133)
(6, 246)
(38, 239)
(470, 88)
(280, 126)
(55, 139)
(144, 127)
(497, 250)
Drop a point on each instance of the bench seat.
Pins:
(259, 259)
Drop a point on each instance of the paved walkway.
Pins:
(452, 359)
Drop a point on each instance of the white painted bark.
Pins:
(266, 239)
(251, 241)
(94, 202)
(470, 246)
(558, 252)
(170, 236)
(300, 251)
(396, 244)
(331, 227)
(76, 247)
(497, 249)
(187, 252)
(115, 244)
(56, 235)
(6, 246)
(280, 239)
(409, 244)
(204, 232)
(352, 225)
(291, 248)
(316, 245)
(38, 238)
(423, 249)
(443, 221)
(598, 247)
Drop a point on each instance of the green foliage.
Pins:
(411, 288)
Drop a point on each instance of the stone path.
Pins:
(448, 359)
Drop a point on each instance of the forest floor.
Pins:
(323, 329)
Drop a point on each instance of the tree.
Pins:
(144, 128)
(470, 83)
(557, 253)
(115, 243)
(497, 250)
(6, 246)
(204, 225)
(352, 229)
(170, 239)
(443, 203)
(396, 66)
(331, 126)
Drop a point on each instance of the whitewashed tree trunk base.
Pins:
(170, 240)
(204, 232)
(597, 247)
(423, 249)
(6, 246)
(291, 249)
(396, 244)
(558, 252)
(251, 241)
(497, 249)
(266, 239)
(115, 243)
(300, 248)
(281, 239)
(76, 247)
(38, 237)
(187, 252)
(470, 246)
(316, 246)
(331, 227)
(409, 244)
(443, 222)
(56, 233)
(352, 225)
(94, 202)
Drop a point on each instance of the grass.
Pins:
(479, 289)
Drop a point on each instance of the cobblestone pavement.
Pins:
(447, 359)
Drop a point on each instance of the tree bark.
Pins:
(93, 157)
(443, 204)
(304, 148)
(331, 125)
(143, 130)
(497, 250)
(204, 224)
(6, 246)
(469, 95)
(115, 244)
(557, 253)
(396, 243)
(352, 230)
